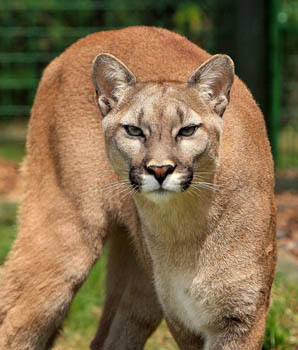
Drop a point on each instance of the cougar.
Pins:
(132, 141)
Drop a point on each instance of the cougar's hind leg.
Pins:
(116, 281)
(131, 311)
(62, 217)
(49, 261)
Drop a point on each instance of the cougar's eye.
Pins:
(133, 130)
(188, 130)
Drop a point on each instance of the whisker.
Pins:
(105, 175)
(131, 191)
(118, 193)
(113, 184)
(191, 192)
(196, 190)
(201, 183)
(116, 171)
(200, 176)
(205, 182)
(216, 186)
(205, 185)
(202, 172)
(114, 187)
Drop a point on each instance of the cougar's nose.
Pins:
(160, 172)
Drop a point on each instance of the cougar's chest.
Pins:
(184, 299)
(175, 245)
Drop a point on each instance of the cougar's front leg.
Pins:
(234, 337)
(131, 312)
(50, 259)
(229, 334)
(230, 337)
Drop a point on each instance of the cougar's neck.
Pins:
(179, 219)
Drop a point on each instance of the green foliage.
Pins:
(275, 335)
(289, 12)
(282, 316)
(189, 18)
(13, 151)
(7, 228)
(32, 33)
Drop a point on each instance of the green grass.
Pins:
(8, 228)
(11, 151)
(287, 156)
(12, 140)
(282, 320)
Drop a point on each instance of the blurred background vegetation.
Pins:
(262, 38)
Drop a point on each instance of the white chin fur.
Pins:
(149, 184)
(153, 191)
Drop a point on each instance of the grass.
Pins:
(10, 151)
(81, 324)
(288, 147)
(282, 320)
(7, 228)
(12, 140)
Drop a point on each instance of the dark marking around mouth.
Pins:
(187, 181)
(134, 179)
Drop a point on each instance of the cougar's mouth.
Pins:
(173, 183)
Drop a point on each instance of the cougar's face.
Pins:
(163, 139)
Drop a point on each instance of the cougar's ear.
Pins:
(110, 78)
(213, 80)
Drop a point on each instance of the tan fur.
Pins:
(202, 258)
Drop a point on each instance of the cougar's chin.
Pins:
(160, 195)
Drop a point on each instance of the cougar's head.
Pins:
(163, 137)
